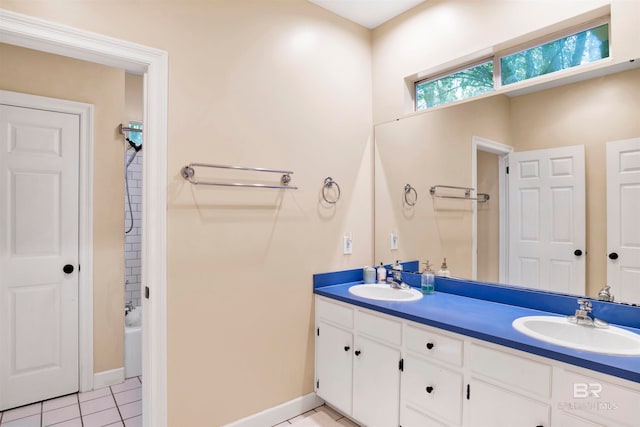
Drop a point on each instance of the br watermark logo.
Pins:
(586, 390)
(588, 397)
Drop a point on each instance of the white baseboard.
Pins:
(105, 378)
(280, 413)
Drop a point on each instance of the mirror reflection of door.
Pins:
(623, 223)
(547, 237)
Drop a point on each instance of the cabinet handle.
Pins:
(430, 345)
(429, 389)
(613, 255)
(539, 425)
(346, 348)
(357, 352)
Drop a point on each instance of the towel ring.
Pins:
(328, 183)
(407, 190)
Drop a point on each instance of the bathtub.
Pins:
(132, 350)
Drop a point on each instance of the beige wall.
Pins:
(281, 84)
(133, 97)
(37, 73)
(488, 218)
(441, 32)
(429, 149)
(589, 113)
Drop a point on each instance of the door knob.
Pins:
(613, 255)
(577, 252)
(68, 269)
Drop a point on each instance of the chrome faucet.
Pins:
(128, 307)
(605, 294)
(583, 315)
(396, 281)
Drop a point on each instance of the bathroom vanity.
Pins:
(451, 360)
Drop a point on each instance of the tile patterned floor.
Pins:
(116, 406)
(338, 417)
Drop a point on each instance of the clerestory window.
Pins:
(573, 49)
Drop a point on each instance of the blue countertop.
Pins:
(488, 321)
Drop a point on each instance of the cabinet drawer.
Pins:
(379, 327)
(515, 371)
(585, 396)
(434, 345)
(433, 389)
(335, 313)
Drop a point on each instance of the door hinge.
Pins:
(401, 365)
(318, 331)
(146, 292)
(317, 383)
(507, 170)
(468, 391)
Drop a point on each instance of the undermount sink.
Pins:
(384, 292)
(558, 330)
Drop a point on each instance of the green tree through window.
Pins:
(567, 52)
(463, 84)
(577, 49)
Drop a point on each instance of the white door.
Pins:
(623, 219)
(38, 237)
(547, 236)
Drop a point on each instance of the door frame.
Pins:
(85, 218)
(38, 34)
(502, 151)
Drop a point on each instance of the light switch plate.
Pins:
(394, 241)
(347, 244)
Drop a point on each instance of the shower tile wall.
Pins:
(133, 239)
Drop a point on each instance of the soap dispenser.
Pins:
(427, 280)
(382, 274)
(444, 271)
(397, 266)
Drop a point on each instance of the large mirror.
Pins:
(465, 145)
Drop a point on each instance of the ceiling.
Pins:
(368, 13)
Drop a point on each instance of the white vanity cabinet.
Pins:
(506, 389)
(357, 362)
(385, 371)
(432, 379)
(590, 398)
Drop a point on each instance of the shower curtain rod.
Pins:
(124, 129)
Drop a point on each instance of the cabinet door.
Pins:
(490, 405)
(376, 388)
(435, 390)
(334, 357)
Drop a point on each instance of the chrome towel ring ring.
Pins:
(328, 184)
(408, 189)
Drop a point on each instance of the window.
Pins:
(463, 84)
(576, 49)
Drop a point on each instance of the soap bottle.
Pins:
(427, 280)
(382, 274)
(369, 274)
(444, 271)
(397, 266)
